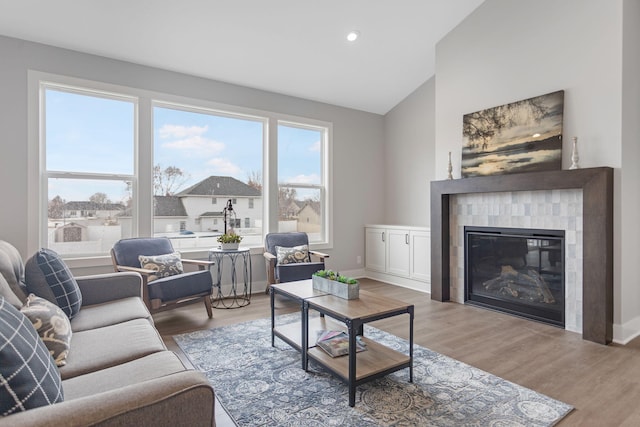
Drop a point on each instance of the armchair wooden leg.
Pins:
(207, 305)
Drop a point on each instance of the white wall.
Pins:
(511, 50)
(626, 259)
(356, 135)
(409, 158)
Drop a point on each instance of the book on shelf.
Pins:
(336, 343)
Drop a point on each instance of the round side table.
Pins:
(235, 298)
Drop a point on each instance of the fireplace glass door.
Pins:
(518, 271)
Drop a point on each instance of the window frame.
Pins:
(325, 179)
(141, 179)
(44, 175)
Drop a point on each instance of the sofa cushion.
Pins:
(28, 376)
(152, 366)
(105, 347)
(47, 276)
(51, 324)
(110, 313)
(164, 265)
(292, 255)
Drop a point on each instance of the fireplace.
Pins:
(595, 296)
(517, 271)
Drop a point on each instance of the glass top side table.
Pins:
(240, 293)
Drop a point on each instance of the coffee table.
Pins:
(358, 367)
(298, 291)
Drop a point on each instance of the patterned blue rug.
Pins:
(260, 385)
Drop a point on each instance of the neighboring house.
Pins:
(309, 219)
(290, 211)
(199, 208)
(92, 210)
(169, 214)
(205, 201)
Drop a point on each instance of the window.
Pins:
(201, 153)
(90, 140)
(302, 181)
(103, 176)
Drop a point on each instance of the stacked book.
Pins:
(336, 343)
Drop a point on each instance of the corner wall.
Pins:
(628, 230)
(409, 146)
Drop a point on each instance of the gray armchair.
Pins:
(165, 292)
(280, 273)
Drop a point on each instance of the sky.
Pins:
(90, 134)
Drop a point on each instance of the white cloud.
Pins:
(190, 140)
(197, 146)
(225, 167)
(315, 147)
(177, 131)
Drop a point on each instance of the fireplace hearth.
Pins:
(516, 271)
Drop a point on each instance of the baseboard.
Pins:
(404, 282)
(261, 285)
(356, 274)
(624, 333)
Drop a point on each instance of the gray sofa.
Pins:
(118, 370)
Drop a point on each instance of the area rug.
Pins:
(260, 385)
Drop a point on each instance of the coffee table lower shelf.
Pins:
(376, 361)
(291, 333)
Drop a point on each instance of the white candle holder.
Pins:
(575, 158)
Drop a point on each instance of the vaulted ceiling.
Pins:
(292, 47)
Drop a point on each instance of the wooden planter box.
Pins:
(339, 289)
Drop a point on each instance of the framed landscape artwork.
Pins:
(523, 136)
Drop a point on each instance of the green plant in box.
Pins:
(332, 275)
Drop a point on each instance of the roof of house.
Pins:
(92, 206)
(168, 206)
(315, 206)
(221, 186)
(72, 225)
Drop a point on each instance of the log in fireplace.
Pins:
(517, 271)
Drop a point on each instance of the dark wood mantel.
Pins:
(597, 264)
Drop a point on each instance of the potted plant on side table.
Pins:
(229, 241)
(336, 284)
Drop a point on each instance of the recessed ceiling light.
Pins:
(535, 135)
(353, 35)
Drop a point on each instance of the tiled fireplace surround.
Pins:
(548, 210)
(580, 202)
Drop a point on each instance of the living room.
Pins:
(502, 52)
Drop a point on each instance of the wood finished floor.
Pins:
(601, 382)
